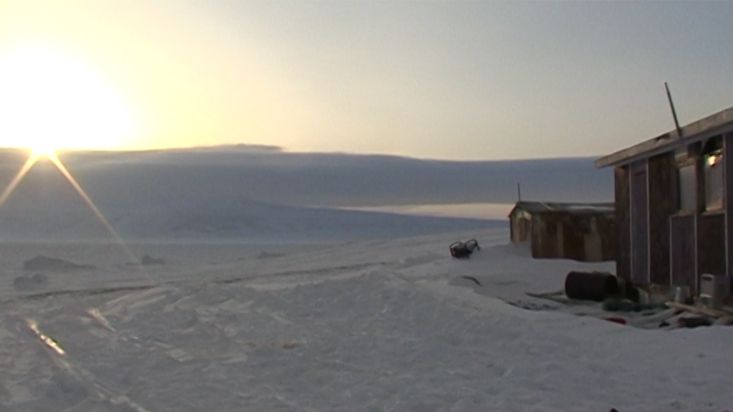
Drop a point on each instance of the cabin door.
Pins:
(639, 224)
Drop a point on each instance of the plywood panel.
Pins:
(711, 244)
(639, 225)
(662, 204)
(682, 234)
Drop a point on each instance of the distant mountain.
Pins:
(244, 191)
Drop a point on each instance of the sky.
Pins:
(429, 79)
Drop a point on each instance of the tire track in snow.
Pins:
(82, 292)
(60, 358)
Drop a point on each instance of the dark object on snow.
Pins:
(28, 282)
(595, 286)
(462, 250)
(620, 305)
(471, 278)
(49, 264)
(627, 289)
(149, 260)
(693, 322)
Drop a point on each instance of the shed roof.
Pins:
(698, 130)
(556, 207)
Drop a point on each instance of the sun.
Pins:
(51, 101)
(44, 149)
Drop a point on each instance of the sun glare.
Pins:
(51, 101)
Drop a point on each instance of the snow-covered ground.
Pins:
(366, 325)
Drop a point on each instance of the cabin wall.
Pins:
(674, 210)
(682, 244)
(684, 222)
(520, 226)
(608, 231)
(711, 244)
(545, 236)
(639, 216)
(623, 224)
(562, 235)
(598, 237)
(575, 230)
(662, 204)
(511, 228)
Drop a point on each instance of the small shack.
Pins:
(674, 203)
(580, 231)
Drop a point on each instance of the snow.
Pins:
(376, 324)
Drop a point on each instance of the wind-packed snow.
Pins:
(372, 325)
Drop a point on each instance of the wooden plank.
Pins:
(701, 310)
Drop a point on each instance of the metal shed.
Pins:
(580, 231)
(674, 199)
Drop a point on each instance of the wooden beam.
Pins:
(702, 310)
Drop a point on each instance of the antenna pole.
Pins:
(674, 112)
(519, 192)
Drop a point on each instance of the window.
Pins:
(713, 166)
(688, 199)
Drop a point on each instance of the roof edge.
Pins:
(689, 132)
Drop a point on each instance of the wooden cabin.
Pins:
(580, 231)
(674, 205)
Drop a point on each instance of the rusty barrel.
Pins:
(596, 286)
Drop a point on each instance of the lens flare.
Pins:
(33, 158)
(27, 166)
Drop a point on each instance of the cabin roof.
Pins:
(698, 130)
(557, 207)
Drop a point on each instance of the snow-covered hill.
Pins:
(264, 194)
(333, 179)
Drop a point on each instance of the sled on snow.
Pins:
(463, 250)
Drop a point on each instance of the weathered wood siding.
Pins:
(662, 204)
(682, 233)
(639, 223)
(520, 223)
(608, 230)
(623, 225)
(711, 244)
(568, 236)
(547, 236)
